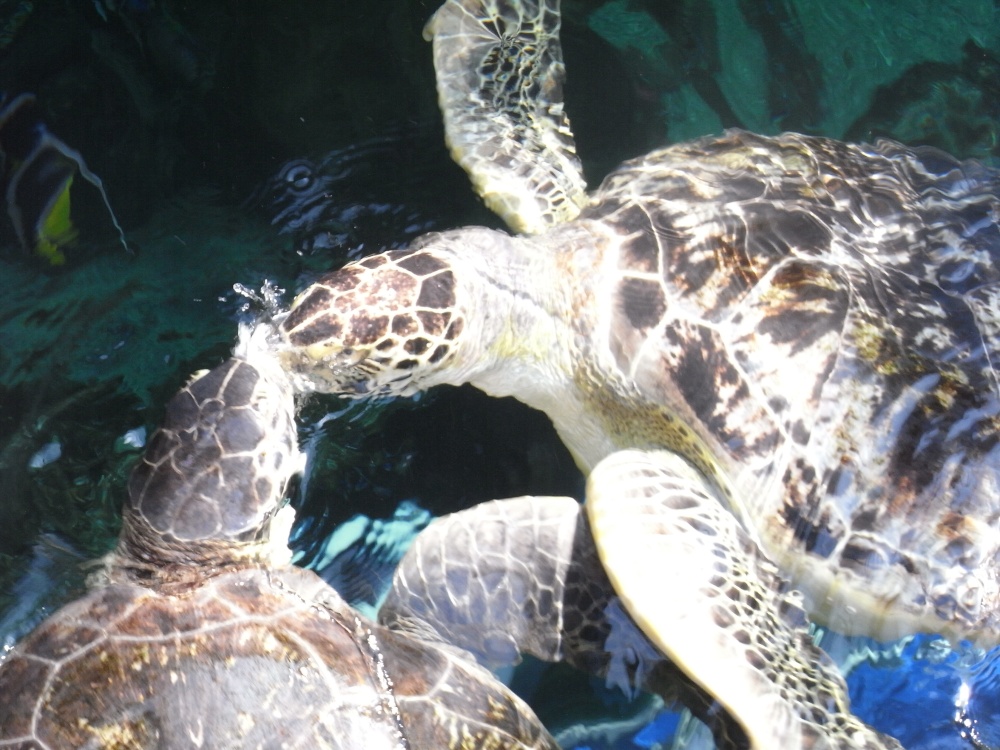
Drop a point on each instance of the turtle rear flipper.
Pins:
(495, 580)
(698, 586)
(499, 79)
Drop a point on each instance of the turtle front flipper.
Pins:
(698, 586)
(499, 79)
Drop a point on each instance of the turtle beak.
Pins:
(329, 368)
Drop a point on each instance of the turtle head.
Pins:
(213, 477)
(391, 324)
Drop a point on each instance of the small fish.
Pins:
(36, 175)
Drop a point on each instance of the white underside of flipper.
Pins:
(700, 590)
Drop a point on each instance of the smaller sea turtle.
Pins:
(204, 635)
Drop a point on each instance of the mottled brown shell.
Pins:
(253, 658)
(825, 318)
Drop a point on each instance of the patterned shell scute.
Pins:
(113, 663)
(827, 316)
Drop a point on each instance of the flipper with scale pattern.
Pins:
(500, 75)
(697, 585)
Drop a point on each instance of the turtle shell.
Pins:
(251, 658)
(814, 325)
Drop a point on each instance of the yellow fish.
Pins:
(36, 174)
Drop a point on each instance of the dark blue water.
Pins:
(257, 141)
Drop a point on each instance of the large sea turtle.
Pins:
(796, 333)
(204, 635)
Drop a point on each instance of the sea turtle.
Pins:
(204, 635)
(806, 327)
